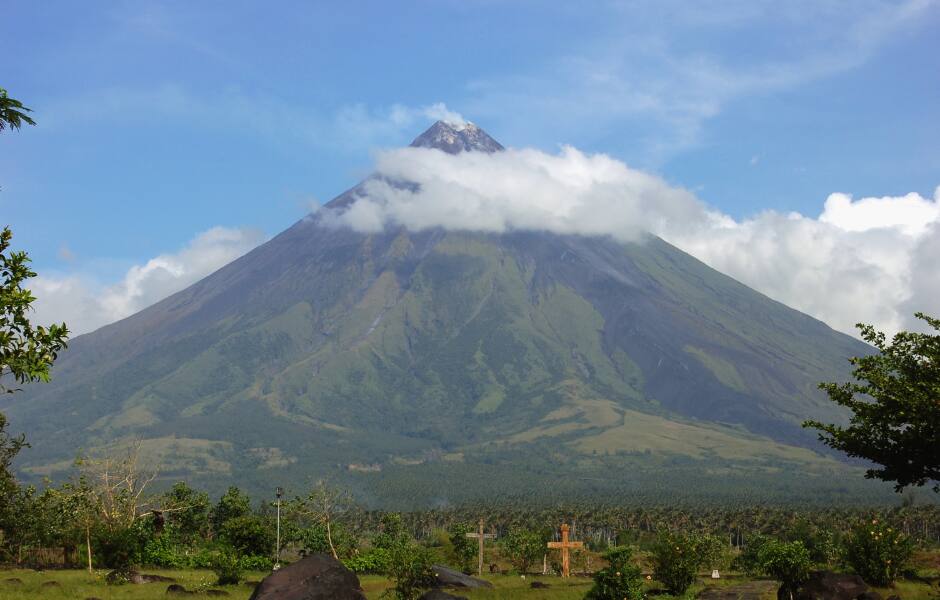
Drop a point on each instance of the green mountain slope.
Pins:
(399, 360)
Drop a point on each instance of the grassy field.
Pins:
(79, 585)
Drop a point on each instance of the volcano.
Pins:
(438, 366)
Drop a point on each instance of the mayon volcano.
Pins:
(439, 365)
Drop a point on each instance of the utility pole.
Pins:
(279, 491)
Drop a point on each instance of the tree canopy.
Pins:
(895, 402)
(12, 112)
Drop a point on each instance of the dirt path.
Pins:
(752, 590)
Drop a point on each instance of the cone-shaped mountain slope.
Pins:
(330, 352)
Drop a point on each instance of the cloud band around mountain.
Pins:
(865, 260)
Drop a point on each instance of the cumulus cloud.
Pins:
(866, 259)
(85, 304)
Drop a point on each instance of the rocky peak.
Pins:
(456, 137)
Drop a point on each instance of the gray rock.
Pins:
(314, 577)
(826, 585)
(449, 578)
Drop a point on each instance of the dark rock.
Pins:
(13, 581)
(251, 583)
(122, 576)
(440, 595)
(826, 585)
(51, 584)
(216, 593)
(539, 585)
(92, 598)
(314, 577)
(869, 595)
(894, 597)
(177, 590)
(449, 578)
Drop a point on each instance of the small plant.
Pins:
(464, 549)
(373, 560)
(410, 568)
(523, 548)
(877, 552)
(677, 558)
(787, 562)
(227, 567)
(749, 559)
(620, 580)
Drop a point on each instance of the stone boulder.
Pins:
(314, 577)
(449, 578)
(826, 585)
(122, 576)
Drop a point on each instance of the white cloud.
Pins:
(85, 304)
(869, 260)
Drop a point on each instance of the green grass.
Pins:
(78, 585)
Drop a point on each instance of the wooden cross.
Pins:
(564, 545)
(480, 536)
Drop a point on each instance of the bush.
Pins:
(409, 568)
(249, 535)
(523, 548)
(464, 550)
(878, 553)
(227, 567)
(676, 559)
(118, 549)
(749, 559)
(620, 580)
(787, 562)
(165, 550)
(373, 561)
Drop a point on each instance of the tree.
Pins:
(523, 547)
(323, 504)
(188, 510)
(26, 351)
(12, 112)
(787, 562)
(620, 580)
(232, 505)
(896, 407)
(465, 549)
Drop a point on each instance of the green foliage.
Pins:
(12, 112)
(227, 567)
(820, 543)
(676, 559)
(232, 505)
(373, 560)
(620, 580)
(165, 550)
(787, 562)
(313, 540)
(749, 559)
(118, 548)
(188, 510)
(878, 552)
(409, 568)
(463, 549)
(26, 351)
(895, 405)
(249, 535)
(523, 548)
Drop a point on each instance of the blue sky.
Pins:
(162, 120)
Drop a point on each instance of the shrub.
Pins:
(165, 551)
(523, 548)
(676, 560)
(249, 535)
(620, 580)
(749, 559)
(374, 560)
(227, 567)
(117, 549)
(464, 549)
(877, 552)
(409, 567)
(787, 562)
